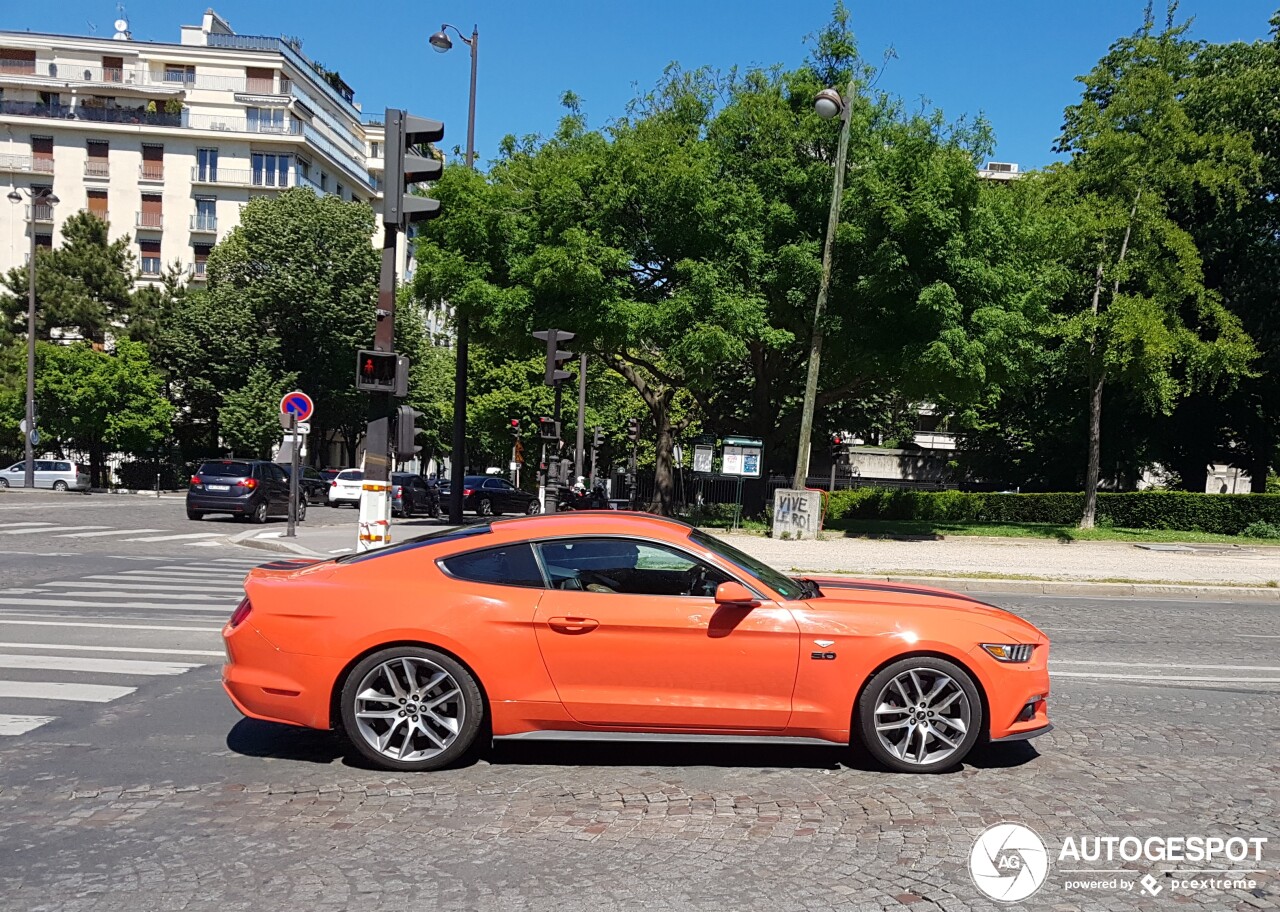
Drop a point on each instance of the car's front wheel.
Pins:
(411, 708)
(195, 514)
(302, 510)
(485, 507)
(60, 486)
(920, 715)
(259, 514)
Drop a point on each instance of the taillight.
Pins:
(466, 492)
(249, 483)
(334, 483)
(398, 492)
(195, 481)
(241, 612)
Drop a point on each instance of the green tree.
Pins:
(249, 417)
(100, 402)
(1141, 315)
(83, 287)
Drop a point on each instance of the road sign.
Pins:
(35, 437)
(304, 427)
(297, 403)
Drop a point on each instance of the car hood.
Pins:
(856, 594)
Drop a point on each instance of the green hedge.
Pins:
(142, 475)
(1222, 514)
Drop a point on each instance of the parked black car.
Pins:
(313, 486)
(249, 488)
(489, 495)
(414, 495)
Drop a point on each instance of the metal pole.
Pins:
(293, 475)
(828, 247)
(458, 458)
(582, 416)
(29, 473)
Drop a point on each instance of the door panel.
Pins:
(623, 660)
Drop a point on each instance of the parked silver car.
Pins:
(59, 474)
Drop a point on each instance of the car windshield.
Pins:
(226, 469)
(780, 583)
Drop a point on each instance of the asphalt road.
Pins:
(128, 782)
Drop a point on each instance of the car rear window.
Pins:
(509, 565)
(351, 475)
(228, 469)
(438, 537)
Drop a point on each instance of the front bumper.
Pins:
(1017, 694)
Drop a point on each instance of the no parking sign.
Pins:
(297, 404)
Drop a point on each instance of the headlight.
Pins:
(1017, 652)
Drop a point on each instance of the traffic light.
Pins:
(837, 447)
(596, 439)
(548, 428)
(406, 430)
(376, 371)
(633, 429)
(406, 164)
(514, 427)
(555, 357)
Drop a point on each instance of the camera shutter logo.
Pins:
(1008, 862)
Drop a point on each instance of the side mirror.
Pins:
(736, 594)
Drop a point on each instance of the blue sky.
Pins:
(1015, 61)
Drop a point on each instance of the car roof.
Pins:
(591, 522)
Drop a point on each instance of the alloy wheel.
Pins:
(922, 716)
(409, 709)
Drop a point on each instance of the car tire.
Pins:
(485, 507)
(909, 731)
(4, 482)
(302, 510)
(376, 727)
(533, 509)
(195, 515)
(60, 486)
(259, 514)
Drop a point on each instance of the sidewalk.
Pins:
(965, 564)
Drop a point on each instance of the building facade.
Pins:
(167, 141)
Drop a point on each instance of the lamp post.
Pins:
(43, 196)
(457, 465)
(828, 104)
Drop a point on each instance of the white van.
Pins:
(50, 473)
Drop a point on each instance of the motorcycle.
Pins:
(581, 499)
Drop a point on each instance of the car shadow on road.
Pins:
(254, 738)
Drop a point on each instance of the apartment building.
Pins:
(167, 141)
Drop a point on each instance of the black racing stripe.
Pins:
(906, 590)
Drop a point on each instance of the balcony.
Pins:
(97, 169)
(204, 223)
(26, 164)
(151, 172)
(286, 127)
(40, 213)
(150, 221)
(198, 272)
(238, 177)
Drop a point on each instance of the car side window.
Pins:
(491, 484)
(17, 467)
(279, 474)
(62, 467)
(508, 565)
(618, 565)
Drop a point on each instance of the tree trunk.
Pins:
(1264, 448)
(1095, 448)
(664, 486)
(95, 465)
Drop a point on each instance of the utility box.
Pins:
(796, 514)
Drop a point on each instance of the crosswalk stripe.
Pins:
(81, 603)
(149, 650)
(96, 593)
(108, 532)
(20, 725)
(95, 624)
(205, 571)
(50, 690)
(95, 666)
(50, 529)
(161, 575)
(16, 525)
(154, 589)
(165, 538)
(244, 561)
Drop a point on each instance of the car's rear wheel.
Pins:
(195, 514)
(60, 486)
(302, 510)
(259, 514)
(411, 708)
(534, 508)
(920, 715)
(485, 507)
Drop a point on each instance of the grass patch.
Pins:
(1023, 577)
(923, 528)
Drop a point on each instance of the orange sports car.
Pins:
(619, 626)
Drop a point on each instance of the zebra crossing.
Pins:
(69, 645)
(15, 531)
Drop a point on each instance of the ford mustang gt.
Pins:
(622, 626)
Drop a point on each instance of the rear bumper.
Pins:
(215, 503)
(265, 683)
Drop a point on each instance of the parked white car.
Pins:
(346, 488)
(58, 474)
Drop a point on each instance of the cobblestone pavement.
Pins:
(158, 816)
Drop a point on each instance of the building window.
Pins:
(260, 80)
(51, 99)
(324, 182)
(18, 62)
(150, 257)
(375, 150)
(177, 72)
(98, 203)
(113, 69)
(265, 120)
(45, 241)
(304, 169)
(41, 212)
(42, 154)
(152, 214)
(270, 170)
(201, 259)
(97, 163)
(207, 165)
(206, 214)
(152, 162)
(339, 191)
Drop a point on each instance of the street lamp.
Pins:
(828, 104)
(457, 467)
(42, 196)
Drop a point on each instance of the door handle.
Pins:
(572, 625)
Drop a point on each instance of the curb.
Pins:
(1096, 590)
(248, 539)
